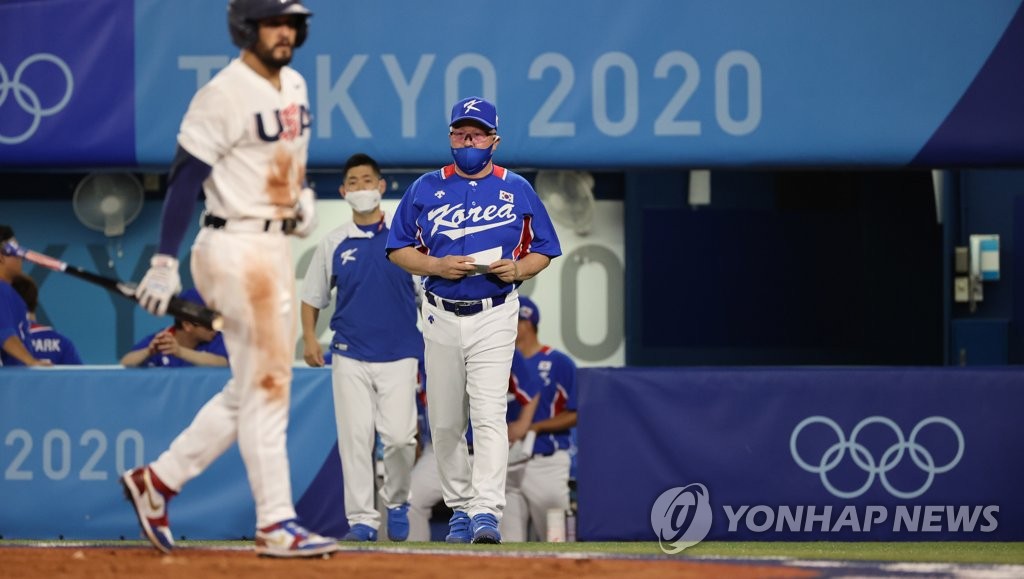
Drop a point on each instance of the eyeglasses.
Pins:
(460, 137)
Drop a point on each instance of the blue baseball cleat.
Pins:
(458, 529)
(360, 533)
(485, 529)
(398, 523)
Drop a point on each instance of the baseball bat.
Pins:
(178, 307)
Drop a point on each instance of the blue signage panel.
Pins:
(908, 454)
(69, 434)
(67, 92)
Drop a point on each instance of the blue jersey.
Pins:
(523, 384)
(46, 343)
(498, 216)
(558, 374)
(375, 309)
(13, 321)
(158, 360)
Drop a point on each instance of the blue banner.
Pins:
(67, 92)
(68, 434)
(645, 84)
(910, 454)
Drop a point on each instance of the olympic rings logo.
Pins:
(28, 99)
(863, 458)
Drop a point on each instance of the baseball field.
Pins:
(199, 560)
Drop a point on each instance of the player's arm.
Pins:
(526, 267)
(162, 280)
(311, 351)
(417, 263)
(197, 358)
(518, 428)
(563, 421)
(16, 349)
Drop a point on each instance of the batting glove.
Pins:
(159, 284)
(306, 213)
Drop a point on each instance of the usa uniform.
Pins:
(471, 323)
(255, 139)
(375, 355)
(544, 482)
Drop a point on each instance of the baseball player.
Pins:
(183, 344)
(375, 353)
(543, 484)
(475, 231)
(244, 142)
(43, 341)
(14, 321)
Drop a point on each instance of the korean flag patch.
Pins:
(505, 196)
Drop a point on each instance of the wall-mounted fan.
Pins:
(108, 202)
(568, 197)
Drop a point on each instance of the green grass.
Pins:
(931, 552)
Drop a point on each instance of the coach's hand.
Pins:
(306, 213)
(453, 266)
(159, 284)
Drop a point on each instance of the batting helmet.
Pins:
(243, 16)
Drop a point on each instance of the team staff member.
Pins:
(14, 321)
(375, 352)
(244, 141)
(544, 482)
(475, 231)
(183, 344)
(43, 341)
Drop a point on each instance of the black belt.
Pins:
(285, 225)
(465, 307)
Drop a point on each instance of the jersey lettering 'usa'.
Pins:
(443, 213)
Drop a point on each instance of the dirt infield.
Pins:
(35, 563)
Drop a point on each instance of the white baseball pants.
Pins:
(468, 361)
(542, 484)
(249, 278)
(371, 397)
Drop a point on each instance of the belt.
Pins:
(250, 225)
(466, 307)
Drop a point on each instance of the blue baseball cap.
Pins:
(192, 295)
(528, 310)
(475, 109)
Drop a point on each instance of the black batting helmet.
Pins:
(244, 14)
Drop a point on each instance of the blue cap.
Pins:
(192, 295)
(475, 109)
(528, 310)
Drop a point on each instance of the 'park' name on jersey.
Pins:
(453, 217)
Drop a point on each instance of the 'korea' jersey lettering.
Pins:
(496, 217)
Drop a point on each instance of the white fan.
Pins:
(568, 197)
(108, 202)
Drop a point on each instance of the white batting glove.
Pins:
(306, 213)
(159, 284)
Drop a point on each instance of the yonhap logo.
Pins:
(28, 98)
(681, 517)
(878, 465)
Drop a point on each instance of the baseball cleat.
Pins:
(150, 506)
(458, 529)
(485, 529)
(360, 533)
(289, 539)
(398, 523)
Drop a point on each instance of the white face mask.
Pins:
(363, 201)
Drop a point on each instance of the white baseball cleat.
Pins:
(290, 539)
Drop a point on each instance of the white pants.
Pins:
(468, 361)
(249, 278)
(541, 485)
(371, 397)
(425, 493)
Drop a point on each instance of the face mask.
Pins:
(471, 160)
(363, 201)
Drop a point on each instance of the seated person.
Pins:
(43, 341)
(184, 344)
